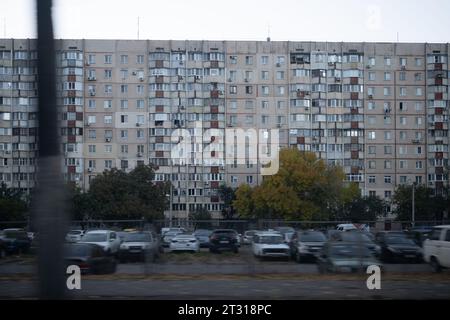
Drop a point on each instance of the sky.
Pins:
(295, 20)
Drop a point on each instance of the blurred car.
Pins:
(107, 239)
(247, 238)
(419, 234)
(138, 245)
(74, 235)
(287, 237)
(436, 249)
(396, 246)
(184, 242)
(90, 258)
(306, 244)
(352, 226)
(167, 229)
(168, 236)
(223, 239)
(203, 237)
(15, 240)
(337, 257)
(122, 234)
(357, 237)
(269, 244)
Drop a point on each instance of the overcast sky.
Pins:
(319, 20)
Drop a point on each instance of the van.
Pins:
(436, 249)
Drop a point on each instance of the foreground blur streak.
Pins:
(48, 203)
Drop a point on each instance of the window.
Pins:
(91, 148)
(371, 135)
(123, 118)
(108, 59)
(280, 75)
(387, 61)
(139, 89)
(372, 164)
(92, 134)
(402, 76)
(418, 76)
(107, 104)
(371, 105)
(108, 88)
(403, 179)
(264, 60)
(387, 164)
(124, 59)
(403, 62)
(402, 150)
(372, 120)
(387, 91)
(264, 75)
(372, 149)
(124, 74)
(124, 134)
(387, 135)
(372, 76)
(418, 92)
(91, 119)
(387, 179)
(387, 76)
(124, 164)
(418, 121)
(402, 135)
(248, 89)
(107, 119)
(124, 88)
(108, 164)
(371, 91)
(282, 59)
(265, 90)
(108, 74)
(91, 104)
(233, 59)
(140, 104)
(372, 61)
(233, 89)
(248, 60)
(372, 179)
(419, 165)
(281, 90)
(402, 121)
(264, 119)
(91, 59)
(387, 149)
(418, 62)
(140, 59)
(387, 120)
(388, 194)
(249, 179)
(123, 104)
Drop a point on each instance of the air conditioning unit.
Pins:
(138, 124)
(108, 139)
(182, 108)
(141, 79)
(134, 73)
(370, 96)
(337, 79)
(278, 64)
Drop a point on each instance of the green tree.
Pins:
(363, 209)
(304, 188)
(115, 194)
(227, 195)
(201, 218)
(428, 206)
(13, 207)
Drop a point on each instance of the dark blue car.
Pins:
(15, 241)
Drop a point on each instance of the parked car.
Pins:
(74, 235)
(357, 237)
(269, 244)
(419, 234)
(306, 244)
(168, 236)
(203, 237)
(436, 249)
(184, 242)
(353, 226)
(284, 230)
(223, 239)
(247, 238)
(167, 229)
(139, 245)
(396, 246)
(122, 234)
(107, 239)
(15, 240)
(338, 256)
(91, 258)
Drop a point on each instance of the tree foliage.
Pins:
(116, 194)
(304, 188)
(12, 205)
(227, 195)
(428, 206)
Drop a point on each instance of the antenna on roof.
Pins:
(268, 32)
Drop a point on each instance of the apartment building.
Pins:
(379, 110)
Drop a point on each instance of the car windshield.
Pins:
(77, 251)
(349, 251)
(399, 240)
(312, 237)
(75, 232)
(249, 233)
(95, 237)
(137, 237)
(270, 239)
(172, 233)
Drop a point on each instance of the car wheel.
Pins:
(435, 265)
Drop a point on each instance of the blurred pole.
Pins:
(48, 203)
(413, 206)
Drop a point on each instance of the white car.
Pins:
(269, 244)
(436, 249)
(184, 242)
(107, 239)
(74, 235)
